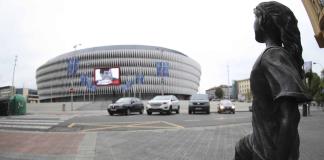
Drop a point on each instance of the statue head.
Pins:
(276, 21)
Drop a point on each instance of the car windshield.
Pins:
(226, 103)
(199, 97)
(162, 98)
(124, 100)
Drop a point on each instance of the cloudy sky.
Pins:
(216, 34)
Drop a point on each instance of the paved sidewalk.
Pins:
(209, 143)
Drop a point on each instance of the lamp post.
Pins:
(75, 46)
(13, 77)
(322, 71)
(71, 89)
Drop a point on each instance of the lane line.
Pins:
(71, 125)
(172, 124)
(192, 120)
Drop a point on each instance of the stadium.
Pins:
(108, 72)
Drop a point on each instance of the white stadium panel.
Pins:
(183, 80)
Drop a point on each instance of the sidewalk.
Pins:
(190, 143)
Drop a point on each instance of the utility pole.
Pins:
(228, 83)
(13, 77)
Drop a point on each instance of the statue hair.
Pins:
(281, 19)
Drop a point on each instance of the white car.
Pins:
(166, 103)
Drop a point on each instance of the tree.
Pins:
(313, 84)
(315, 87)
(219, 93)
(319, 96)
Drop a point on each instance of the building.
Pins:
(315, 11)
(30, 94)
(244, 90)
(6, 91)
(227, 90)
(181, 79)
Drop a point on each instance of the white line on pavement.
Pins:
(25, 127)
(192, 120)
(30, 123)
(30, 120)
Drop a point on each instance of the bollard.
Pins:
(63, 107)
(304, 110)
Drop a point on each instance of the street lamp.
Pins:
(75, 46)
(322, 71)
(71, 88)
(13, 77)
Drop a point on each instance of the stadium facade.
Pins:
(183, 77)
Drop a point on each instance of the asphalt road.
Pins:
(137, 122)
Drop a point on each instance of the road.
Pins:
(151, 122)
(88, 134)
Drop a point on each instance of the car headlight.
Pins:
(233, 107)
(221, 107)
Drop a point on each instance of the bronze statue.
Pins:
(277, 87)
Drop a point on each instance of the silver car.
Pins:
(199, 103)
(163, 104)
(226, 106)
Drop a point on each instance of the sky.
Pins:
(217, 34)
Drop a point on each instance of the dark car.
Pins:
(226, 106)
(126, 105)
(199, 103)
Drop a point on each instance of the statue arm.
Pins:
(288, 129)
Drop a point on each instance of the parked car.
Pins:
(199, 103)
(226, 106)
(163, 104)
(126, 105)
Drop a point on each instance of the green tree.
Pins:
(315, 87)
(219, 93)
(319, 96)
(313, 84)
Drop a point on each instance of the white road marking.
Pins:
(192, 120)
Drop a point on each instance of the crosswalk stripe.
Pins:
(25, 127)
(30, 120)
(29, 123)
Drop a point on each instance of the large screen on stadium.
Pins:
(107, 76)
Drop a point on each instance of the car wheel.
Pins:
(208, 111)
(128, 111)
(149, 112)
(110, 113)
(170, 110)
(178, 110)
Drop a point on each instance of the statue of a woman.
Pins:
(277, 87)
